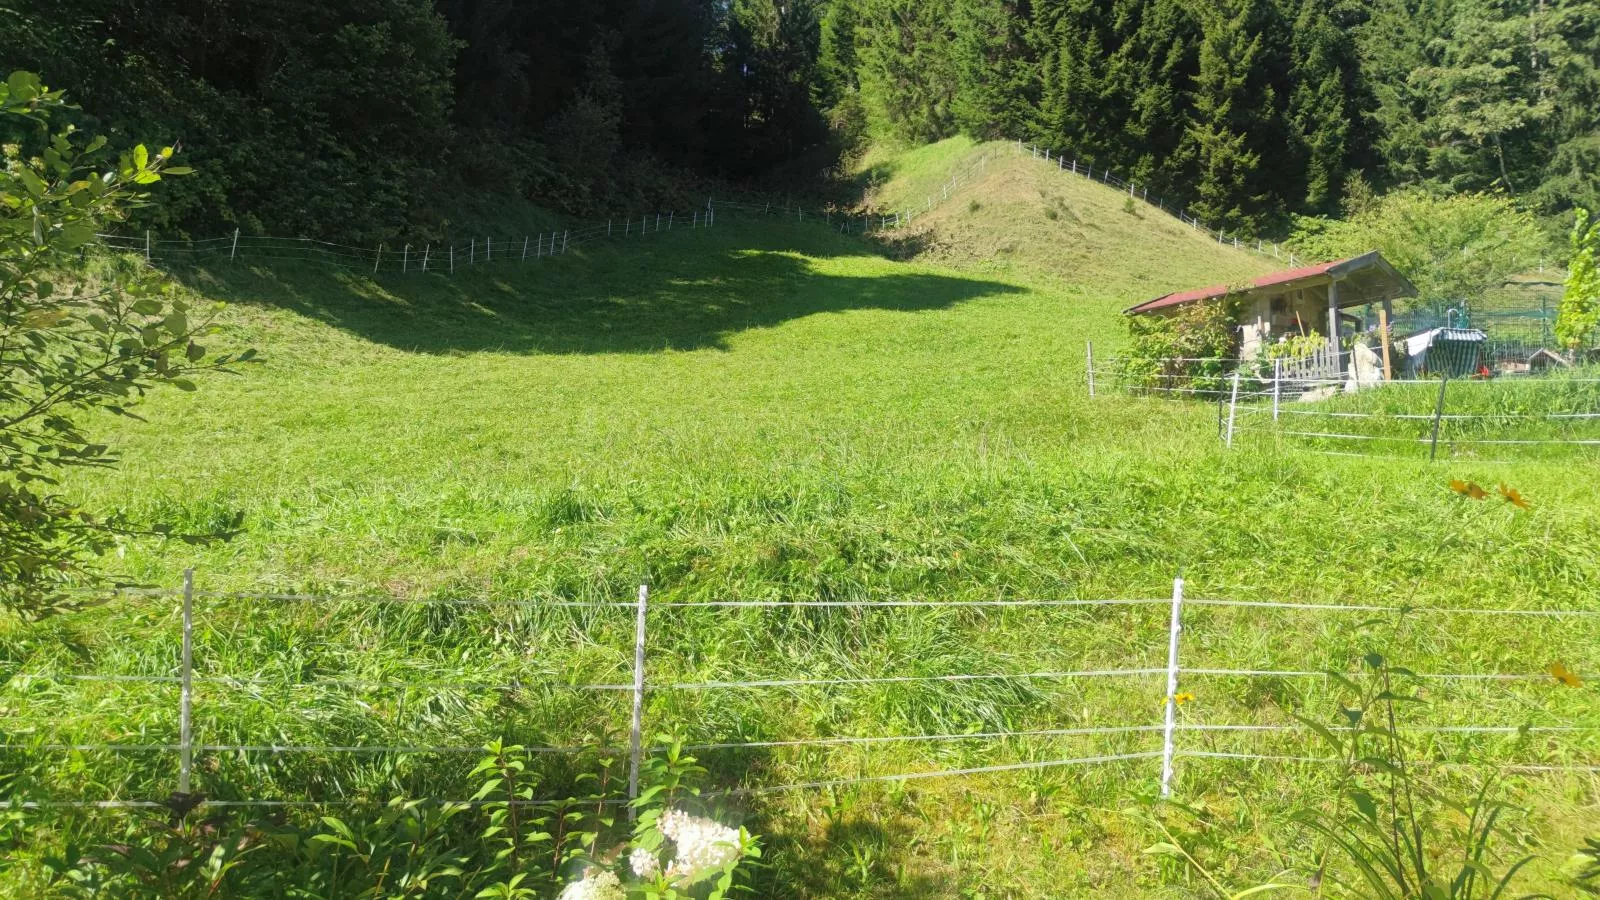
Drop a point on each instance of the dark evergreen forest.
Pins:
(365, 118)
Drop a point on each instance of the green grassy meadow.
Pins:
(772, 411)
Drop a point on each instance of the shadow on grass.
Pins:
(854, 856)
(675, 291)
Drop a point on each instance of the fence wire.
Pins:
(450, 683)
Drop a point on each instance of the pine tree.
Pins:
(772, 58)
(1157, 65)
(1319, 109)
(996, 75)
(1073, 80)
(1399, 38)
(907, 78)
(1483, 100)
(1226, 106)
(1565, 56)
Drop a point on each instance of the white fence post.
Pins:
(234, 253)
(1167, 744)
(186, 689)
(452, 259)
(472, 252)
(635, 734)
(377, 259)
(488, 249)
(1277, 385)
(426, 248)
(147, 245)
(1089, 365)
(405, 258)
(524, 246)
(565, 236)
(1233, 406)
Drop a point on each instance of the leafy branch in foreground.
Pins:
(95, 342)
(1390, 832)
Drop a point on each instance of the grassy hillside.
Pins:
(774, 411)
(1021, 214)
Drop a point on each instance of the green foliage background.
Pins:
(366, 120)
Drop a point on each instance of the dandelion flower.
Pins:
(596, 884)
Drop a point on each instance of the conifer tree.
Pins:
(1319, 108)
(907, 79)
(996, 74)
(1225, 109)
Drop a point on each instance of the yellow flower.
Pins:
(1180, 698)
(1564, 675)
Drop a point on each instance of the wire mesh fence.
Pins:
(1519, 698)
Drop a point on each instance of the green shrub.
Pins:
(1194, 349)
(1580, 303)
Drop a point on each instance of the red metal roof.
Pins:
(1220, 290)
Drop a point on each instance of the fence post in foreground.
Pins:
(234, 253)
(635, 736)
(1438, 413)
(186, 689)
(405, 258)
(147, 245)
(452, 259)
(426, 249)
(377, 259)
(488, 249)
(1277, 385)
(1089, 365)
(670, 217)
(524, 246)
(1233, 406)
(564, 236)
(472, 252)
(1171, 702)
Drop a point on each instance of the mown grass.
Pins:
(772, 412)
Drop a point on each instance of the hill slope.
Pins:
(1012, 212)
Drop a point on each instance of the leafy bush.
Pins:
(1192, 350)
(1452, 248)
(1580, 303)
(89, 344)
(504, 843)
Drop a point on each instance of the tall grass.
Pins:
(774, 412)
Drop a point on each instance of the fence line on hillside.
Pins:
(1179, 671)
(440, 259)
